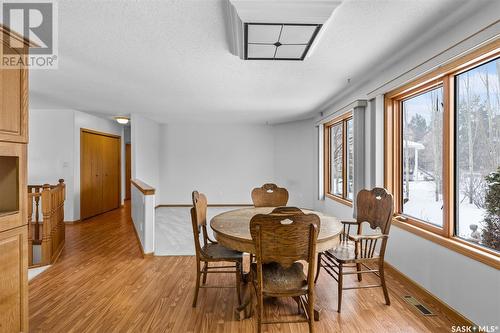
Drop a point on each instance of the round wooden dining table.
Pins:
(232, 229)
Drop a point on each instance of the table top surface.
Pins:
(235, 224)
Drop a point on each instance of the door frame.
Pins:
(90, 131)
(128, 184)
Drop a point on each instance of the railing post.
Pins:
(37, 217)
(47, 227)
(30, 228)
(60, 219)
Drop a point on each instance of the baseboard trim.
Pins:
(450, 312)
(209, 205)
(72, 222)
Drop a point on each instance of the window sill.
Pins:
(453, 244)
(339, 199)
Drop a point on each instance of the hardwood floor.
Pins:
(101, 283)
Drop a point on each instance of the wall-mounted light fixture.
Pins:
(122, 120)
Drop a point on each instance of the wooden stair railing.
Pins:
(49, 231)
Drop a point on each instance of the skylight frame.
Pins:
(304, 53)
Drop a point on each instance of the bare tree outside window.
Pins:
(478, 152)
(423, 156)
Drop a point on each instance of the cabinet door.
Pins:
(14, 280)
(111, 173)
(13, 188)
(13, 104)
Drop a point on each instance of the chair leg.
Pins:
(382, 280)
(318, 267)
(260, 310)
(310, 310)
(238, 281)
(360, 276)
(205, 270)
(197, 288)
(341, 277)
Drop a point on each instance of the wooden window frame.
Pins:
(342, 119)
(445, 77)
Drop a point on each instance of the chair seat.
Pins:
(219, 252)
(345, 253)
(279, 280)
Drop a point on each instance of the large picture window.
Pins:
(477, 144)
(422, 157)
(339, 159)
(442, 155)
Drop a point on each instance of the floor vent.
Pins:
(420, 307)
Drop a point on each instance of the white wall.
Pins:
(54, 150)
(50, 151)
(294, 168)
(467, 285)
(145, 139)
(223, 161)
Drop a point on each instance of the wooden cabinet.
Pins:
(99, 173)
(13, 193)
(13, 101)
(14, 280)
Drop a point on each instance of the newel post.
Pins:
(47, 227)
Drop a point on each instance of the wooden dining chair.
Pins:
(269, 195)
(282, 239)
(209, 251)
(357, 251)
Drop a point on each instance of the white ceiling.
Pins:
(170, 60)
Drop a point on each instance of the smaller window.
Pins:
(339, 159)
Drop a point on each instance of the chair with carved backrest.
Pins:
(357, 251)
(269, 195)
(282, 239)
(208, 251)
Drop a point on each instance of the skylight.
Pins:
(274, 41)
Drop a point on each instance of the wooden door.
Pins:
(128, 170)
(99, 173)
(110, 172)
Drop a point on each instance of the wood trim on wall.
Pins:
(143, 187)
(429, 298)
(208, 205)
(100, 133)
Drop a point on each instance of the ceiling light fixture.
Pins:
(277, 29)
(268, 41)
(122, 120)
